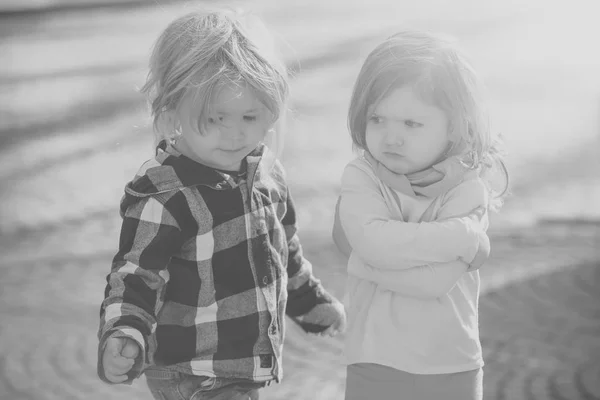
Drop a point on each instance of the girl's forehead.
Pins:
(405, 99)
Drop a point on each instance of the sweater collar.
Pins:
(431, 182)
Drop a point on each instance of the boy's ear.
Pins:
(168, 123)
(167, 120)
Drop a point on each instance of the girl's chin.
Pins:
(399, 166)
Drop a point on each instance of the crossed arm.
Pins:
(415, 259)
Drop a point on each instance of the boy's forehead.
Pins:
(233, 97)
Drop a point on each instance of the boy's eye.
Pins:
(412, 124)
(249, 118)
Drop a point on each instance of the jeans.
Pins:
(167, 384)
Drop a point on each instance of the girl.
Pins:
(209, 261)
(412, 216)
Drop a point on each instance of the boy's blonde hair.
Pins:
(199, 53)
(441, 75)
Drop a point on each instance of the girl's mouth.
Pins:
(392, 155)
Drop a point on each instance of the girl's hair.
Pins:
(441, 75)
(199, 53)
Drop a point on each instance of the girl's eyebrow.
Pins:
(401, 116)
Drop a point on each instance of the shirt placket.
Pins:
(264, 273)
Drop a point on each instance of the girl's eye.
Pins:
(375, 119)
(215, 120)
(249, 118)
(412, 124)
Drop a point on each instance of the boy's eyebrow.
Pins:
(250, 110)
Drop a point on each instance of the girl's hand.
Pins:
(118, 358)
(483, 241)
(483, 252)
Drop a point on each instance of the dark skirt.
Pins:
(365, 381)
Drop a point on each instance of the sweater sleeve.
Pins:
(385, 243)
(425, 281)
(149, 237)
(435, 279)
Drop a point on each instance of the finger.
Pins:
(328, 331)
(116, 378)
(114, 346)
(130, 349)
(121, 362)
(119, 369)
(118, 366)
(478, 212)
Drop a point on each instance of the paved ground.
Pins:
(540, 325)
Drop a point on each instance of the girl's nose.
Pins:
(394, 137)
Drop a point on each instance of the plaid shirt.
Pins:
(207, 267)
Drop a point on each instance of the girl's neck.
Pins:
(430, 182)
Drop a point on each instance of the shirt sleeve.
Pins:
(384, 243)
(304, 289)
(149, 237)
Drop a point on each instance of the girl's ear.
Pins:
(456, 138)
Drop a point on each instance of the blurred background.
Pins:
(74, 129)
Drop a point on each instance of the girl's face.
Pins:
(405, 134)
(237, 124)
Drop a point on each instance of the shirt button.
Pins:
(265, 280)
(273, 330)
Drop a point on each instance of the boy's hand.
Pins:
(338, 326)
(118, 358)
(325, 319)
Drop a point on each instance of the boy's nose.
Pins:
(234, 135)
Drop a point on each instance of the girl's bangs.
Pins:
(392, 79)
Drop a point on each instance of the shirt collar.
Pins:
(193, 173)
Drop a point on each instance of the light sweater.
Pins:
(412, 298)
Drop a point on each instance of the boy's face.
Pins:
(237, 124)
(405, 134)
